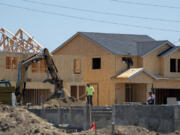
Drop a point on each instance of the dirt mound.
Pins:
(64, 102)
(19, 121)
(123, 130)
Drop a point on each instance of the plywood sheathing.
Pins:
(136, 75)
(152, 62)
(84, 49)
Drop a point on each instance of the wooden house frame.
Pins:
(116, 81)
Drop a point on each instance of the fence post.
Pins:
(87, 117)
(113, 113)
(113, 128)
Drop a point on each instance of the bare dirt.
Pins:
(19, 121)
(64, 102)
(122, 130)
(56, 102)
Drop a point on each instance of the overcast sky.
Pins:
(51, 22)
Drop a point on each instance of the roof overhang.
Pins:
(172, 50)
(80, 33)
(64, 43)
(167, 42)
(136, 75)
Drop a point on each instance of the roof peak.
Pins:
(121, 44)
(153, 41)
(81, 32)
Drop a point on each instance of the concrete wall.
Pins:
(102, 116)
(163, 119)
(177, 117)
(74, 117)
(158, 118)
(77, 117)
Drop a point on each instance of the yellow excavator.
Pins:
(52, 70)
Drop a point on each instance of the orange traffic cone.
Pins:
(93, 126)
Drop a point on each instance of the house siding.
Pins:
(84, 49)
(152, 62)
(174, 84)
(11, 74)
(109, 89)
(167, 73)
(121, 67)
(82, 46)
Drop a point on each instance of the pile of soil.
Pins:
(19, 121)
(69, 101)
(122, 130)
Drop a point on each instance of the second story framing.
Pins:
(116, 53)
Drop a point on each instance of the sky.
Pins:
(52, 22)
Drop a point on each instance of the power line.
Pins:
(87, 19)
(145, 4)
(100, 12)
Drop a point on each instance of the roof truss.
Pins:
(20, 42)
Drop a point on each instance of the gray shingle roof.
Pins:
(148, 46)
(118, 44)
(123, 44)
(169, 51)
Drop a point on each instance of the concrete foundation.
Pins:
(159, 118)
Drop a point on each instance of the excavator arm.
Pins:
(23, 67)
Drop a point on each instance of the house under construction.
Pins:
(15, 48)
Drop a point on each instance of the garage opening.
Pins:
(135, 93)
(36, 96)
(74, 91)
(163, 94)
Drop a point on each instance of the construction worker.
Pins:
(151, 98)
(89, 92)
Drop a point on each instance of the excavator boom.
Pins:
(52, 70)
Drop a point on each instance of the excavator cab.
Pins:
(6, 93)
(4, 83)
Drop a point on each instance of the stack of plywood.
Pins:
(6, 95)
